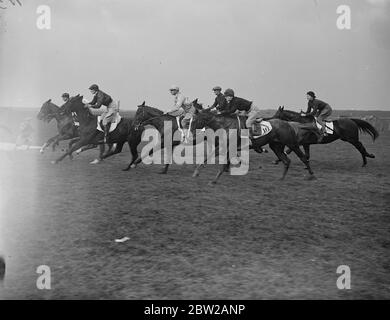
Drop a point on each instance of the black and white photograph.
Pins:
(194, 150)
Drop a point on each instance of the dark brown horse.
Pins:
(281, 135)
(146, 115)
(65, 125)
(89, 134)
(345, 129)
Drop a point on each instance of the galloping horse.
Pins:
(345, 129)
(89, 134)
(282, 134)
(146, 115)
(65, 125)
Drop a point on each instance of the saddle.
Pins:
(329, 129)
(114, 123)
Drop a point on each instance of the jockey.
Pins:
(181, 107)
(101, 98)
(66, 97)
(319, 109)
(239, 104)
(220, 102)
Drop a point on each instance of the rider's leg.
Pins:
(254, 113)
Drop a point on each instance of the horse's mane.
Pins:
(153, 111)
(295, 114)
(65, 107)
(49, 102)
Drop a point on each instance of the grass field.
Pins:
(249, 237)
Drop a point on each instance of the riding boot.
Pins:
(322, 135)
(106, 131)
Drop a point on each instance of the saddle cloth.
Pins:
(328, 126)
(114, 123)
(261, 128)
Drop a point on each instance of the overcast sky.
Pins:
(269, 51)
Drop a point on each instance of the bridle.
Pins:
(142, 123)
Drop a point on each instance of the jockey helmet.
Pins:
(229, 93)
(65, 95)
(217, 88)
(311, 94)
(174, 88)
(94, 87)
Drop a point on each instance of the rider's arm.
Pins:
(310, 109)
(178, 105)
(97, 101)
(230, 109)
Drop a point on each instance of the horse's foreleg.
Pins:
(48, 142)
(222, 168)
(72, 141)
(76, 146)
(278, 149)
(209, 153)
(304, 159)
(117, 150)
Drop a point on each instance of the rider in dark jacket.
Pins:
(319, 109)
(220, 102)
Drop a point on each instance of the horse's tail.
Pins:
(366, 127)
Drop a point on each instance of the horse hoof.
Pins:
(195, 175)
(275, 162)
(371, 156)
(96, 161)
(133, 166)
(41, 151)
(53, 162)
(364, 165)
(162, 172)
(310, 177)
(212, 183)
(126, 169)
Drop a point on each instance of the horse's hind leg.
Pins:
(306, 147)
(278, 149)
(112, 152)
(305, 160)
(359, 146)
(133, 145)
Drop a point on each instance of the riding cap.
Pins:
(311, 94)
(65, 95)
(174, 88)
(217, 88)
(94, 87)
(229, 93)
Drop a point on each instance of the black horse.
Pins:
(282, 134)
(89, 134)
(146, 115)
(65, 125)
(345, 129)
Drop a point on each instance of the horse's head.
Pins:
(145, 113)
(74, 104)
(198, 106)
(47, 111)
(280, 114)
(201, 120)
